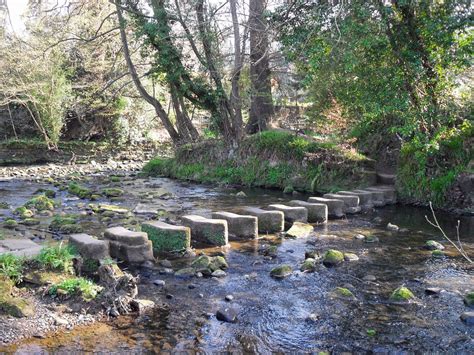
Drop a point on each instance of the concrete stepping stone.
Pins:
(390, 195)
(20, 247)
(90, 247)
(292, 213)
(206, 230)
(131, 247)
(240, 226)
(317, 212)
(268, 221)
(378, 197)
(167, 238)
(365, 198)
(335, 206)
(351, 203)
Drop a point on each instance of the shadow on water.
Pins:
(300, 313)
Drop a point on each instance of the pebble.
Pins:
(359, 236)
(229, 298)
(191, 286)
(468, 318)
(159, 282)
(369, 278)
(219, 273)
(432, 291)
(228, 315)
(393, 227)
(166, 264)
(169, 296)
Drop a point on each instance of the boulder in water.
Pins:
(433, 245)
(332, 258)
(281, 271)
(402, 294)
(227, 314)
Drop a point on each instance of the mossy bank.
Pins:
(271, 159)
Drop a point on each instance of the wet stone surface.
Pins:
(297, 313)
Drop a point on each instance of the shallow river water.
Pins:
(296, 314)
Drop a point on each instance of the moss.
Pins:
(59, 221)
(401, 294)
(219, 262)
(42, 277)
(433, 245)
(23, 212)
(80, 191)
(10, 223)
(437, 254)
(202, 262)
(309, 265)
(288, 189)
(113, 192)
(70, 229)
(469, 299)
(333, 257)
(371, 332)
(41, 203)
(115, 179)
(13, 306)
(30, 221)
(343, 292)
(281, 271)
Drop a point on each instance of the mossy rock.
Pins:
(309, 265)
(70, 229)
(24, 212)
(311, 254)
(437, 254)
(281, 271)
(115, 179)
(288, 190)
(300, 230)
(59, 221)
(186, 272)
(10, 223)
(433, 245)
(333, 257)
(41, 277)
(342, 292)
(271, 251)
(95, 197)
(30, 222)
(402, 294)
(4, 206)
(80, 191)
(113, 192)
(13, 306)
(40, 203)
(371, 239)
(202, 262)
(469, 299)
(218, 263)
(113, 208)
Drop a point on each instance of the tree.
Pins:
(261, 106)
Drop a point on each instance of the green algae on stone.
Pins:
(202, 262)
(300, 230)
(333, 257)
(30, 221)
(288, 189)
(167, 240)
(281, 271)
(433, 245)
(9, 223)
(40, 203)
(437, 254)
(343, 292)
(402, 294)
(80, 191)
(23, 212)
(13, 306)
(469, 299)
(70, 229)
(113, 192)
(186, 272)
(309, 265)
(59, 221)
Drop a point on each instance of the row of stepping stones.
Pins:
(138, 247)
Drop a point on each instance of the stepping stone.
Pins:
(268, 221)
(167, 237)
(378, 197)
(240, 226)
(90, 247)
(300, 230)
(387, 179)
(292, 214)
(351, 203)
(20, 247)
(317, 212)
(131, 247)
(206, 230)
(335, 206)
(390, 195)
(365, 198)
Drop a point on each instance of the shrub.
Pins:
(11, 266)
(57, 258)
(79, 285)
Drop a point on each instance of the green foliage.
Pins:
(11, 266)
(58, 258)
(81, 286)
(41, 203)
(23, 212)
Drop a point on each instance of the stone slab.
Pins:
(20, 247)
(240, 226)
(351, 203)
(378, 197)
(317, 212)
(268, 221)
(390, 194)
(300, 230)
(335, 206)
(206, 230)
(167, 237)
(292, 213)
(365, 198)
(132, 254)
(125, 236)
(90, 247)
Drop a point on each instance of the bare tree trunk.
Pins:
(261, 105)
(161, 113)
(235, 99)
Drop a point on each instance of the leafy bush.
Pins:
(11, 266)
(57, 258)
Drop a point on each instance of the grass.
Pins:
(57, 258)
(11, 266)
(77, 286)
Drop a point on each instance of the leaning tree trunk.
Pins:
(261, 106)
